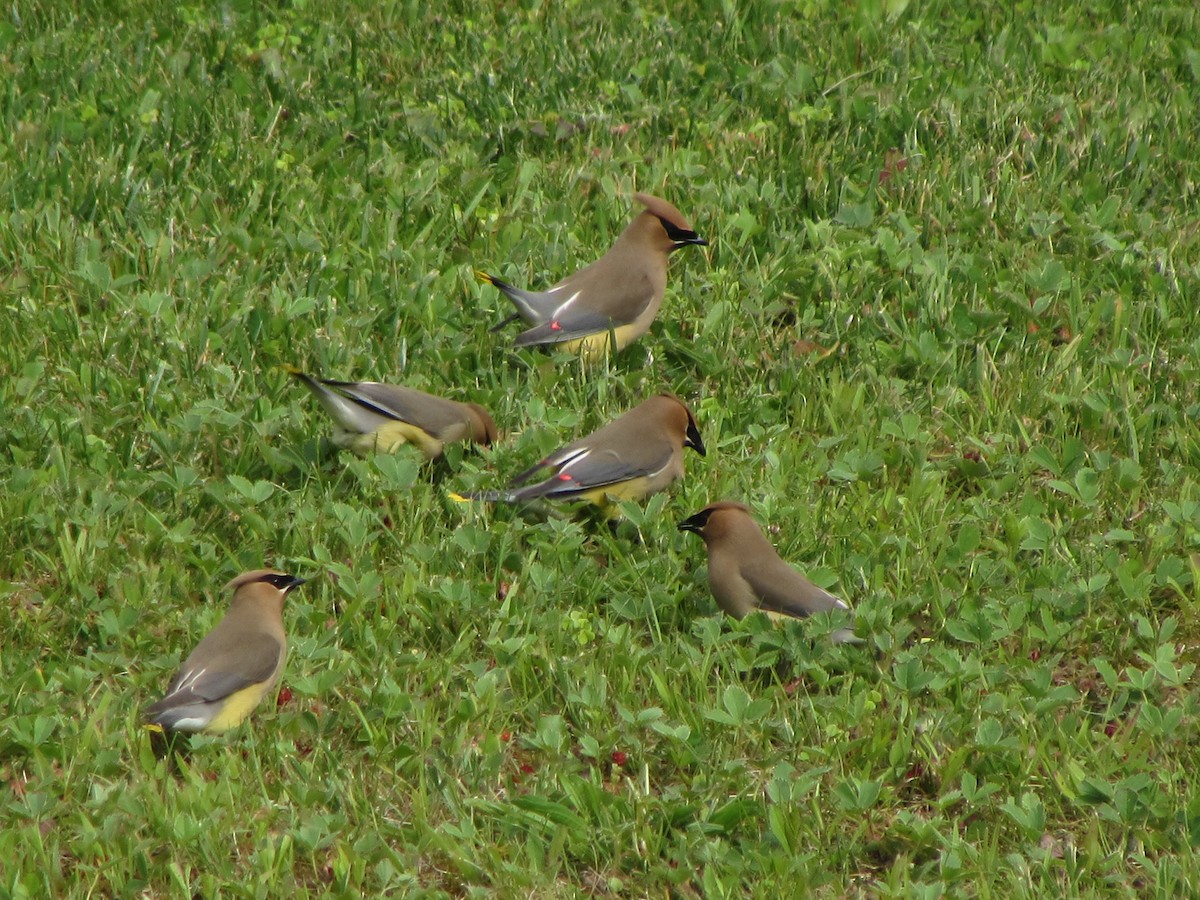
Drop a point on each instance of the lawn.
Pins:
(944, 342)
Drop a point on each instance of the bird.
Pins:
(620, 293)
(745, 573)
(370, 417)
(632, 457)
(235, 665)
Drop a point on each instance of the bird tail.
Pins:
(504, 286)
(164, 719)
(304, 378)
(347, 410)
(534, 307)
(483, 497)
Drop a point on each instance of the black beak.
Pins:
(694, 524)
(693, 439)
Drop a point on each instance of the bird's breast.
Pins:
(731, 591)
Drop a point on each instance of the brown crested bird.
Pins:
(746, 574)
(378, 418)
(235, 665)
(630, 458)
(620, 293)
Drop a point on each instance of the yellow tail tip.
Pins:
(459, 498)
(153, 728)
(290, 369)
(484, 277)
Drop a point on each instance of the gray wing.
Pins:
(585, 311)
(247, 660)
(586, 470)
(565, 328)
(429, 413)
(781, 589)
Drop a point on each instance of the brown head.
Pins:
(678, 418)
(663, 226)
(483, 428)
(719, 520)
(263, 585)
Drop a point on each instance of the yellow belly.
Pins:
(609, 496)
(593, 347)
(388, 438)
(235, 709)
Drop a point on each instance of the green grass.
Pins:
(944, 342)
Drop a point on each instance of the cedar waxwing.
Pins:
(619, 293)
(235, 665)
(632, 457)
(372, 417)
(746, 574)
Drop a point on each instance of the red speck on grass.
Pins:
(506, 736)
(1111, 728)
(285, 697)
(893, 163)
(1035, 655)
(619, 757)
(527, 769)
